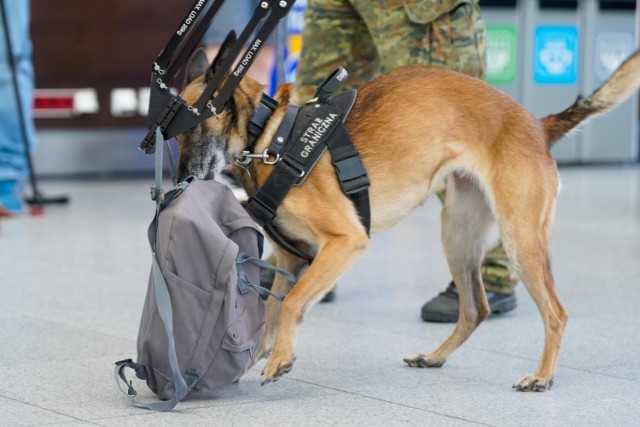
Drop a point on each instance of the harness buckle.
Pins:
(157, 193)
(352, 174)
(355, 186)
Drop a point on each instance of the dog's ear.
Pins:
(197, 66)
(223, 53)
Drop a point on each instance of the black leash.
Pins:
(171, 113)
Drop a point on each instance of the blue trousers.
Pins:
(13, 164)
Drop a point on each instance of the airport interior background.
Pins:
(73, 277)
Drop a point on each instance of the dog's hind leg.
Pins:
(466, 223)
(336, 253)
(526, 237)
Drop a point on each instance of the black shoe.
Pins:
(445, 307)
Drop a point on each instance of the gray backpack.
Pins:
(203, 315)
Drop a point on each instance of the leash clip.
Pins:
(265, 158)
(246, 157)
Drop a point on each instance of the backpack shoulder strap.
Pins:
(183, 385)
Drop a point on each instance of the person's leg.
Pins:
(397, 39)
(13, 165)
(456, 41)
(498, 274)
(333, 35)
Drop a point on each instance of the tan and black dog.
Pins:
(419, 130)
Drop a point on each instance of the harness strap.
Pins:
(318, 126)
(259, 120)
(285, 129)
(273, 232)
(331, 83)
(351, 174)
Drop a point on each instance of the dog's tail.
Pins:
(624, 82)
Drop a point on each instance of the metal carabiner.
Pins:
(244, 159)
(265, 158)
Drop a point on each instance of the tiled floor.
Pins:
(72, 283)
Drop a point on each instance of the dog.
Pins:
(419, 130)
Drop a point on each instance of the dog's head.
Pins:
(212, 145)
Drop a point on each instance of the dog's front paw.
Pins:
(424, 361)
(275, 369)
(534, 383)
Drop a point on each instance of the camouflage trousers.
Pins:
(371, 37)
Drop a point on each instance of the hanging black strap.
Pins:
(171, 113)
(193, 19)
(189, 33)
(278, 9)
(251, 52)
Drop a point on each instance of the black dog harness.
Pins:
(301, 140)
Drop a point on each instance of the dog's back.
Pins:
(416, 125)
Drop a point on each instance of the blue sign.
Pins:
(556, 55)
